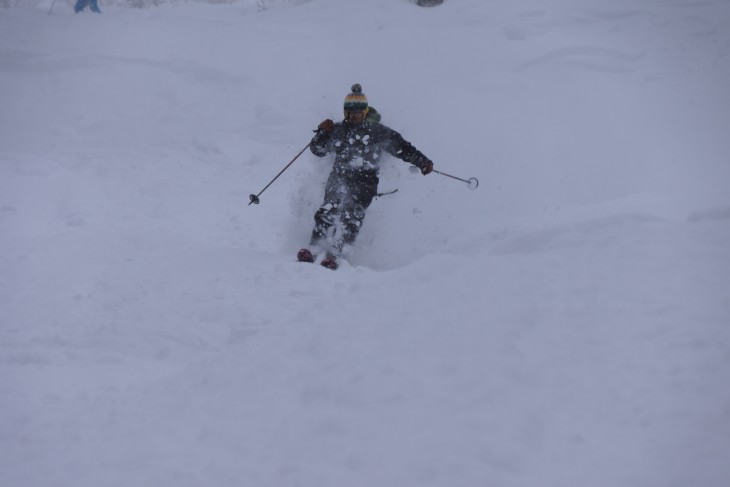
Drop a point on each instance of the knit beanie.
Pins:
(356, 101)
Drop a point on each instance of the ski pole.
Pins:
(472, 183)
(255, 197)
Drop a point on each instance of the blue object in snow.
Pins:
(92, 4)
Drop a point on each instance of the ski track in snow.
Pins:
(564, 324)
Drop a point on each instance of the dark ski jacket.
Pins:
(358, 148)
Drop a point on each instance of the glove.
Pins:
(326, 126)
(426, 166)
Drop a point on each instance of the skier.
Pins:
(358, 142)
(82, 4)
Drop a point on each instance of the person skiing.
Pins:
(82, 4)
(358, 143)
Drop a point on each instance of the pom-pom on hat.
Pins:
(356, 101)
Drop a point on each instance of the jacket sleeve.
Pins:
(320, 143)
(399, 147)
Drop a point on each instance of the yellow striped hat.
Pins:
(356, 101)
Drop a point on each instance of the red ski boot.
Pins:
(305, 255)
(329, 262)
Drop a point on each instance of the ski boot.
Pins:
(330, 262)
(305, 255)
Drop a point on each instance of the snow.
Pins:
(565, 324)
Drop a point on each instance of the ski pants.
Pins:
(346, 197)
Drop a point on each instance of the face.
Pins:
(355, 117)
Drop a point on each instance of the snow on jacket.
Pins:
(358, 148)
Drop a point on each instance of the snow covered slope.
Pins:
(566, 324)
